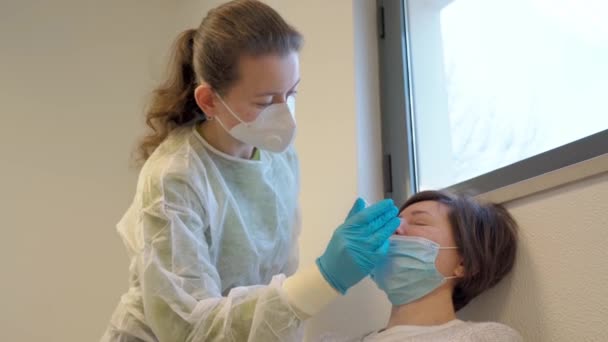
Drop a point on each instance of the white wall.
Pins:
(73, 82)
(73, 76)
(558, 290)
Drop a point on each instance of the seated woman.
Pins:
(448, 250)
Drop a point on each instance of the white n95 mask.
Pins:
(273, 130)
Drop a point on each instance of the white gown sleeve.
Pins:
(181, 288)
(294, 254)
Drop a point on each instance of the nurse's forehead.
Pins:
(266, 72)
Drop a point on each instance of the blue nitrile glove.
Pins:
(358, 244)
(359, 205)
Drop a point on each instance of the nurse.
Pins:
(212, 231)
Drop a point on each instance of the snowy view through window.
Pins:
(518, 78)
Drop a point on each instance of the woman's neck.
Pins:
(217, 137)
(434, 309)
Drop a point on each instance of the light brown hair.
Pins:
(486, 235)
(211, 53)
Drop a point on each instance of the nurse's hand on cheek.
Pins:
(358, 244)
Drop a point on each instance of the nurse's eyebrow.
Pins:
(270, 93)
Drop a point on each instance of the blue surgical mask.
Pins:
(409, 272)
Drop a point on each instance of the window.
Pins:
(478, 94)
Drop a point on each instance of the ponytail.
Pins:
(172, 104)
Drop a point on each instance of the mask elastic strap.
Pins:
(448, 248)
(229, 109)
(222, 124)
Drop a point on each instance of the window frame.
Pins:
(400, 168)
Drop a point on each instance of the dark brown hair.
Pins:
(211, 54)
(486, 235)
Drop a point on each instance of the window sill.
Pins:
(549, 180)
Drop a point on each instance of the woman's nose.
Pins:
(401, 229)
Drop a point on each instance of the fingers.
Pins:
(381, 221)
(383, 251)
(382, 210)
(358, 206)
(381, 236)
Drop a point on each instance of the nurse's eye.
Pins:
(263, 105)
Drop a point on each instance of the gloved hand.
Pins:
(359, 205)
(358, 244)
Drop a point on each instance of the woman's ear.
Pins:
(460, 270)
(205, 99)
